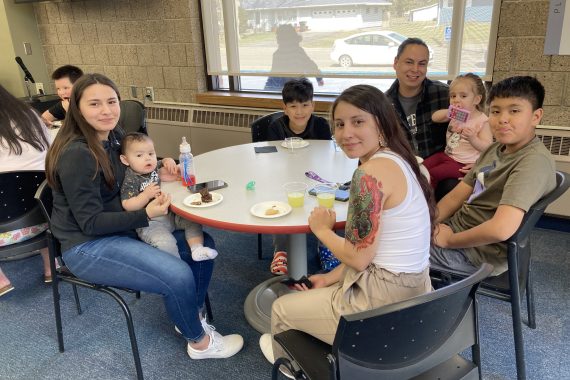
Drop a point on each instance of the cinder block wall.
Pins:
(158, 43)
(520, 46)
(143, 43)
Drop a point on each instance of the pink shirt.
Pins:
(458, 147)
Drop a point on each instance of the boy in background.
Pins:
(299, 120)
(488, 206)
(64, 77)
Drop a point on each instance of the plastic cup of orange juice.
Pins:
(295, 193)
(325, 194)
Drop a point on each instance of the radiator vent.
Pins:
(557, 145)
(223, 118)
(556, 140)
(199, 115)
(167, 114)
(206, 116)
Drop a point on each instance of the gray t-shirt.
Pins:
(517, 179)
(409, 105)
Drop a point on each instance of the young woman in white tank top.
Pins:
(385, 251)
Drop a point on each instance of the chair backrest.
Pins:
(133, 116)
(535, 212)
(520, 241)
(259, 126)
(407, 338)
(44, 200)
(18, 208)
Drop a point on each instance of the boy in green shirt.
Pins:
(488, 206)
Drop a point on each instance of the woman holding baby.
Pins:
(97, 236)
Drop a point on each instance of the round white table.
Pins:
(237, 165)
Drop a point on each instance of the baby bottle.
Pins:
(187, 171)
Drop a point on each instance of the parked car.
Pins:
(369, 48)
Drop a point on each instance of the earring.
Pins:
(381, 142)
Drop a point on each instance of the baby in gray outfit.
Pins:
(142, 184)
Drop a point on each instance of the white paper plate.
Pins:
(302, 144)
(260, 208)
(216, 198)
(420, 160)
(57, 123)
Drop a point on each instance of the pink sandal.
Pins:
(279, 263)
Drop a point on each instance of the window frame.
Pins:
(456, 42)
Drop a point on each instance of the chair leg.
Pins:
(77, 302)
(131, 328)
(259, 247)
(55, 291)
(517, 324)
(57, 310)
(138, 295)
(530, 300)
(476, 348)
(282, 362)
(208, 308)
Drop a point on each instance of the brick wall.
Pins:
(520, 45)
(143, 43)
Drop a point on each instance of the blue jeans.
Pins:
(125, 262)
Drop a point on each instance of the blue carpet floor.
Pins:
(97, 344)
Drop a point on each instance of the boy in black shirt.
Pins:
(299, 120)
(64, 77)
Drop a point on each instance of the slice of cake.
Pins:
(206, 196)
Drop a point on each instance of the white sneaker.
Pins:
(220, 347)
(205, 325)
(208, 328)
(266, 345)
(204, 253)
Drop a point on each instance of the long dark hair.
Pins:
(75, 126)
(373, 101)
(18, 124)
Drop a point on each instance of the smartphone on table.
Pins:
(340, 195)
(210, 185)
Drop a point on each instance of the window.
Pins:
(255, 45)
(362, 40)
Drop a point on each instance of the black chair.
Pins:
(259, 126)
(19, 209)
(417, 338)
(259, 133)
(510, 286)
(133, 116)
(61, 273)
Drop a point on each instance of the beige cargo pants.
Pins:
(318, 311)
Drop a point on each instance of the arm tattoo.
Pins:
(364, 209)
